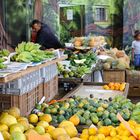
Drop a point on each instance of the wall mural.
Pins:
(16, 20)
(118, 12)
(112, 28)
(131, 12)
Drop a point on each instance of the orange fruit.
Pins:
(111, 84)
(84, 136)
(75, 120)
(112, 87)
(101, 136)
(46, 117)
(113, 133)
(126, 133)
(104, 130)
(106, 87)
(132, 138)
(92, 131)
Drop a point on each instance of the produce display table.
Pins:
(96, 89)
(25, 88)
(19, 74)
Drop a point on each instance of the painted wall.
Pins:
(112, 29)
(131, 12)
(108, 29)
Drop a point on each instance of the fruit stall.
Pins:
(29, 108)
(27, 75)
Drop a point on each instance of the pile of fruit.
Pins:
(87, 59)
(77, 72)
(80, 64)
(87, 111)
(118, 60)
(3, 53)
(115, 86)
(136, 113)
(30, 52)
(15, 127)
(112, 133)
(90, 41)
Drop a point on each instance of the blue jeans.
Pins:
(137, 60)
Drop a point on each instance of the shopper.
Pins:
(136, 50)
(44, 35)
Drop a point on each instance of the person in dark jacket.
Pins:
(45, 36)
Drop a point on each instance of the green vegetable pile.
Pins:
(92, 110)
(30, 52)
(77, 72)
(90, 59)
(80, 64)
(136, 113)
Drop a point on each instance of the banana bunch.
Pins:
(29, 46)
(30, 52)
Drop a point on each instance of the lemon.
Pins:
(33, 118)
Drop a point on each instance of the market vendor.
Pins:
(44, 36)
(136, 50)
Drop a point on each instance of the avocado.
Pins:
(88, 122)
(107, 122)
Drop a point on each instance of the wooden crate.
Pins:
(51, 88)
(134, 90)
(25, 102)
(114, 76)
(133, 77)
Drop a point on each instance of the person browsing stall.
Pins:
(136, 49)
(44, 36)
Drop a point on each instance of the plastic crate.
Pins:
(133, 77)
(114, 76)
(22, 85)
(25, 102)
(51, 88)
(49, 72)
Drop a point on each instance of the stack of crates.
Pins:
(133, 78)
(26, 91)
(50, 76)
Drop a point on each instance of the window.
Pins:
(101, 14)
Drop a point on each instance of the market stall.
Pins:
(23, 82)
